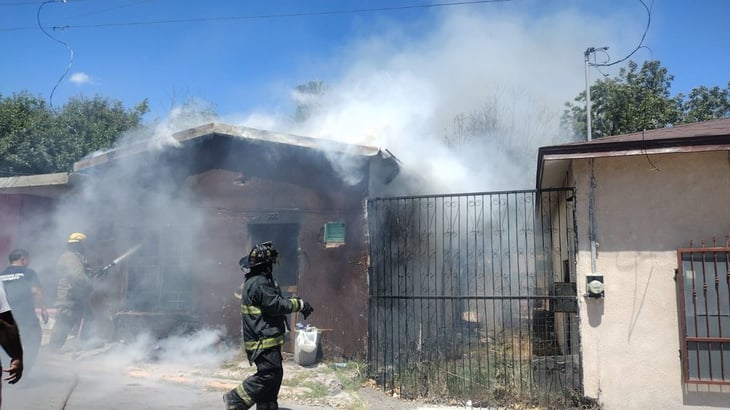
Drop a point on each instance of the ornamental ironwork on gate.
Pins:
(474, 295)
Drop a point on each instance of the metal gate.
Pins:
(472, 296)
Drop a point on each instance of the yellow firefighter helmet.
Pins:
(76, 237)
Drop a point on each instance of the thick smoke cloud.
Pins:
(139, 202)
(403, 88)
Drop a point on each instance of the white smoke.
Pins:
(402, 92)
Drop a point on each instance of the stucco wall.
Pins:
(644, 212)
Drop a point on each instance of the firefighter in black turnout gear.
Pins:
(263, 313)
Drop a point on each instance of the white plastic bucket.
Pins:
(306, 346)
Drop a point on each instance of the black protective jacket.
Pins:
(263, 312)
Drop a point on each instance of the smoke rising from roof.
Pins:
(506, 76)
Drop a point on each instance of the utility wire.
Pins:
(643, 140)
(65, 44)
(19, 3)
(68, 66)
(101, 11)
(26, 3)
(265, 16)
(641, 42)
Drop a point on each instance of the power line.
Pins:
(264, 16)
(101, 11)
(68, 66)
(65, 44)
(26, 3)
(641, 42)
(20, 3)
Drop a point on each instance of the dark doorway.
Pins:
(285, 237)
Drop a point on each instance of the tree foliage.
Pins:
(35, 138)
(707, 103)
(639, 98)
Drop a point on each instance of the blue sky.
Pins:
(398, 74)
(247, 63)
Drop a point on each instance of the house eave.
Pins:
(559, 156)
(212, 130)
(49, 185)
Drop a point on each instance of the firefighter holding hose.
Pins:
(73, 291)
(263, 316)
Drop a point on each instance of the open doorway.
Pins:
(285, 237)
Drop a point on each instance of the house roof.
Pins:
(55, 184)
(40, 184)
(242, 133)
(553, 161)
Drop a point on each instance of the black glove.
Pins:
(307, 309)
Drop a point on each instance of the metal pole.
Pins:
(592, 218)
(588, 94)
(587, 55)
(591, 195)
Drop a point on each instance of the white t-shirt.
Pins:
(4, 305)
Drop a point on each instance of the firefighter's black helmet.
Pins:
(259, 255)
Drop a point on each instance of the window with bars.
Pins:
(703, 280)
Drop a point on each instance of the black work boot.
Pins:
(234, 402)
(271, 405)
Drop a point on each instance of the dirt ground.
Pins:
(326, 384)
(110, 377)
(188, 373)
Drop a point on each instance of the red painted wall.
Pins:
(9, 222)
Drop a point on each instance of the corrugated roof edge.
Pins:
(212, 129)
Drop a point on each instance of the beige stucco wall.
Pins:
(645, 212)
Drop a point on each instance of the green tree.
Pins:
(34, 138)
(640, 99)
(22, 118)
(706, 103)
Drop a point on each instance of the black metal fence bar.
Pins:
(468, 294)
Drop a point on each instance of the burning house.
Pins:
(190, 208)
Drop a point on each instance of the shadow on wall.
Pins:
(594, 308)
(710, 395)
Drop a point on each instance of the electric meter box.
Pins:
(594, 286)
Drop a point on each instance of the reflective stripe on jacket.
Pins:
(264, 343)
(263, 312)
